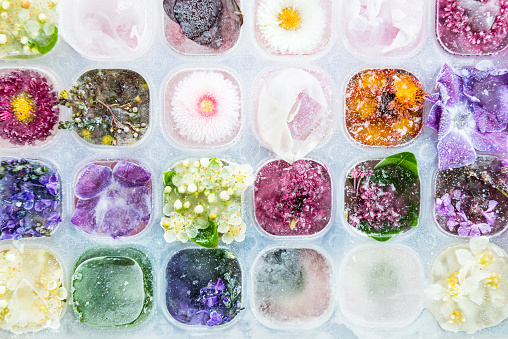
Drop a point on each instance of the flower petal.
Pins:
(120, 221)
(92, 181)
(487, 121)
(450, 87)
(490, 142)
(129, 174)
(455, 150)
(140, 200)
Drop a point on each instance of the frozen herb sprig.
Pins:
(107, 106)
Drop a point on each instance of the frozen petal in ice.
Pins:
(455, 150)
(120, 221)
(487, 121)
(140, 200)
(129, 174)
(490, 142)
(293, 113)
(450, 86)
(92, 181)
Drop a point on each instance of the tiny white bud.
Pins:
(26, 49)
(204, 162)
(192, 188)
(126, 129)
(187, 204)
(201, 189)
(135, 135)
(181, 189)
(23, 40)
(196, 163)
(167, 189)
(10, 257)
(3, 39)
(42, 17)
(177, 205)
(186, 163)
(231, 191)
(199, 209)
(3, 303)
(212, 198)
(6, 4)
(224, 195)
(135, 109)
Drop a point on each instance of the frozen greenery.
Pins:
(109, 107)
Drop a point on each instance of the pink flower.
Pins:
(28, 107)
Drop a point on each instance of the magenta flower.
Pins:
(28, 107)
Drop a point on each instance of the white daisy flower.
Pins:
(292, 26)
(206, 107)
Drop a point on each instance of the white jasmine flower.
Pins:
(235, 232)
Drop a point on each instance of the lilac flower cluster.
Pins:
(218, 300)
(30, 202)
(293, 199)
(467, 212)
(379, 205)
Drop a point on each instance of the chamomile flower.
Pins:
(206, 108)
(292, 26)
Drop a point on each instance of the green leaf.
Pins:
(208, 237)
(168, 176)
(47, 45)
(406, 160)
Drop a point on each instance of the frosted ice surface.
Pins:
(381, 286)
(292, 288)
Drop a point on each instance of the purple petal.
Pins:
(475, 231)
(464, 231)
(85, 220)
(92, 181)
(487, 121)
(489, 142)
(139, 199)
(129, 174)
(457, 194)
(455, 150)
(492, 205)
(484, 228)
(449, 86)
(451, 224)
(435, 116)
(502, 104)
(120, 221)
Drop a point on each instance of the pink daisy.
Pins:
(28, 107)
(206, 107)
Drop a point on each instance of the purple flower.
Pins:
(129, 174)
(28, 107)
(451, 210)
(215, 319)
(51, 183)
(92, 181)
(470, 113)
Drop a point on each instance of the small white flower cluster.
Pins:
(31, 291)
(204, 192)
(468, 290)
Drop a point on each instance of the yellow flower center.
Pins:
(453, 279)
(485, 259)
(207, 106)
(457, 317)
(86, 133)
(290, 19)
(234, 230)
(494, 280)
(22, 107)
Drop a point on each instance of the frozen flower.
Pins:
(465, 211)
(470, 113)
(235, 232)
(243, 176)
(176, 227)
(206, 107)
(28, 107)
(292, 26)
(466, 280)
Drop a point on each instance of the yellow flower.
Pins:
(107, 140)
(86, 133)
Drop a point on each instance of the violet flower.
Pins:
(453, 210)
(470, 113)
